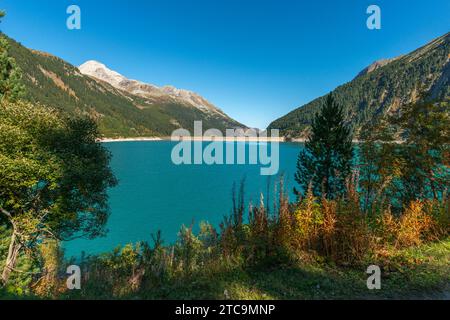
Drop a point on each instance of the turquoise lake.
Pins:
(155, 194)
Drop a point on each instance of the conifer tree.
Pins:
(326, 161)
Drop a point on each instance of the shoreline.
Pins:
(207, 139)
(211, 139)
(107, 140)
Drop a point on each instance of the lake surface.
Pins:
(155, 194)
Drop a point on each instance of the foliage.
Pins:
(50, 284)
(54, 176)
(20, 283)
(378, 164)
(425, 128)
(10, 75)
(396, 174)
(325, 162)
(328, 260)
(317, 248)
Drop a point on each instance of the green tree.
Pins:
(424, 129)
(378, 163)
(326, 161)
(53, 178)
(10, 75)
(405, 157)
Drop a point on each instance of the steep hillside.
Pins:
(150, 92)
(383, 87)
(54, 82)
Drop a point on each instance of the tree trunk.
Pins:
(11, 259)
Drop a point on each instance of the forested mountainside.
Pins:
(383, 87)
(54, 82)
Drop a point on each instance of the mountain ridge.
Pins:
(381, 88)
(376, 65)
(101, 72)
(51, 81)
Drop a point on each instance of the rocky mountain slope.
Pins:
(151, 92)
(122, 107)
(383, 87)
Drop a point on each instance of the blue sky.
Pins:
(255, 59)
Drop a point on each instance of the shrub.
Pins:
(308, 222)
(50, 284)
(187, 250)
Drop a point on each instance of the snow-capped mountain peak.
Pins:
(100, 71)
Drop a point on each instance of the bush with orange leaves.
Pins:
(413, 225)
(335, 229)
(308, 221)
(426, 220)
(340, 230)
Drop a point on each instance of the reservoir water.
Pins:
(155, 194)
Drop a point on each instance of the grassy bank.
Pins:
(420, 272)
(313, 249)
(414, 273)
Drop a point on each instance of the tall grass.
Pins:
(336, 231)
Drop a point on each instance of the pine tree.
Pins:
(10, 74)
(326, 161)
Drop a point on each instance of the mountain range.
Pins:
(122, 107)
(383, 87)
(130, 108)
(150, 92)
